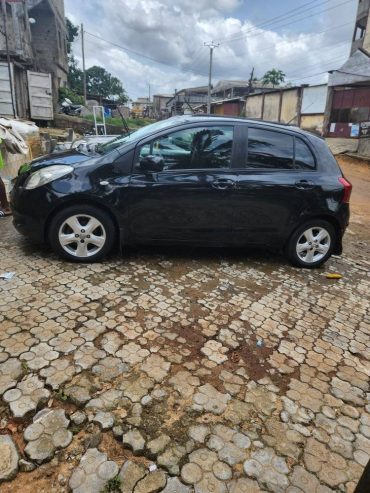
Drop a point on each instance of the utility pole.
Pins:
(8, 57)
(83, 63)
(211, 46)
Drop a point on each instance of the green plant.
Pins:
(65, 92)
(274, 77)
(60, 395)
(112, 486)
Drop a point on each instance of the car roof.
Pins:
(218, 118)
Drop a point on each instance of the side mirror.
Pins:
(152, 163)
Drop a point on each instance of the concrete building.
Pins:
(38, 57)
(347, 115)
(49, 40)
(160, 109)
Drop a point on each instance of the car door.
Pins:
(192, 198)
(277, 185)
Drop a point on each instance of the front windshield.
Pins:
(133, 136)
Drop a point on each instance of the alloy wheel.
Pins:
(313, 245)
(82, 235)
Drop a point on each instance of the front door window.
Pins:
(193, 148)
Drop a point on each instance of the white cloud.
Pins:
(175, 33)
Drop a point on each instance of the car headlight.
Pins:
(46, 175)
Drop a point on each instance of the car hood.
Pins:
(65, 157)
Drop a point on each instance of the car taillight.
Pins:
(347, 189)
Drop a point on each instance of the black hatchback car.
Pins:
(201, 180)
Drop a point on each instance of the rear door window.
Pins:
(270, 150)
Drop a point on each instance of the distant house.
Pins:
(141, 108)
(186, 100)
(347, 112)
(160, 109)
(38, 58)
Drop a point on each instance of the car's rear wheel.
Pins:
(82, 233)
(311, 244)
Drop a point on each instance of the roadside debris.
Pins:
(7, 275)
(259, 343)
(333, 275)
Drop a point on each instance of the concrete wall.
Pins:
(49, 42)
(289, 107)
(313, 123)
(19, 34)
(314, 99)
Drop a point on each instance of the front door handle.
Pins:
(304, 184)
(223, 184)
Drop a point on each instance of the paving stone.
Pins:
(152, 482)
(174, 485)
(39, 356)
(104, 419)
(207, 398)
(171, 458)
(109, 368)
(185, 383)
(87, 355)
(132, 353)
(199, 432)
(244, 485)
(130, 474)
(136, 387)
(78, 418)
(156, 367)
(59, 372)
(10, 372)
(92, 473)
(47, 433)
(26, 396)
(134, 440)
(8, 458)
(157, 445)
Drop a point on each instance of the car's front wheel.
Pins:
(82, 233)
(311, 244)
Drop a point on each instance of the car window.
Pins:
(269, 150)
(121, 140)
(193, 148)
(303, 156)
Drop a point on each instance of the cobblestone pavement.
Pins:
(183, 372)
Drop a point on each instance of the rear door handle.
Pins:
(304, 184)
(223, 184)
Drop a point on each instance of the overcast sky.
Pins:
(300, 37)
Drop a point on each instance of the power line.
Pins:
(291, 22)
(271, 21)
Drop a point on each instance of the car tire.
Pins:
(82, 233)
(311, 244)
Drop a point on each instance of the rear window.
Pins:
(303, 156)
(268, 149)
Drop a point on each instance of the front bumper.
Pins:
(30, 209)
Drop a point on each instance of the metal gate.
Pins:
(6, 107)
(41, 95)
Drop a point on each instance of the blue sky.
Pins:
(310, 37)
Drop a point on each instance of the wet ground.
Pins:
(227, 371)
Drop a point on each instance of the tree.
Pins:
(72, 33)
(75, 76)
(274, 77)
(102, 83)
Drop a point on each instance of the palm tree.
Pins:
(274, 77)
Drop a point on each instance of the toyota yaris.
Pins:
(197, 180)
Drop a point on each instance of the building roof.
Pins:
(355, 70)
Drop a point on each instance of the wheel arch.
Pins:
(83, 201)
(337, 250)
